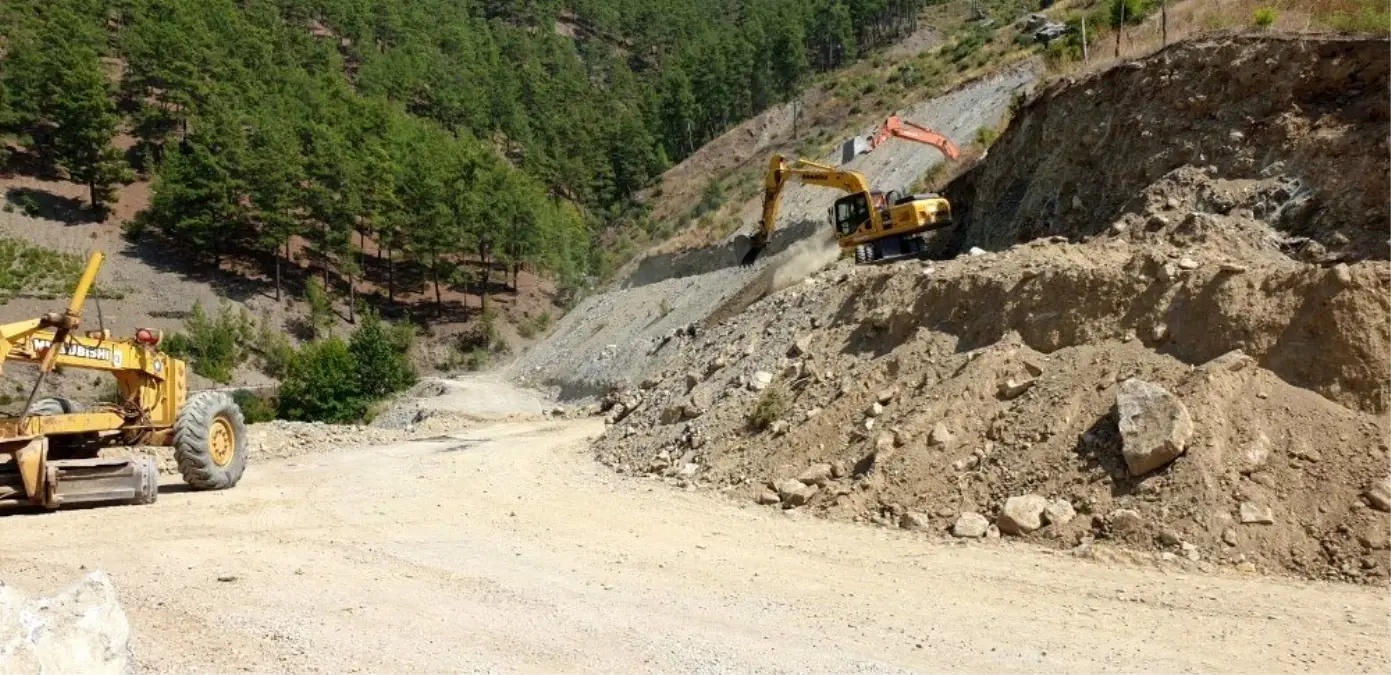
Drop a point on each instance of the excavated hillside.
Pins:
(1169, 335)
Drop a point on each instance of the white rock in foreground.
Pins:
(80, 630)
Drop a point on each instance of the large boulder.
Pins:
(1155, 426)
(1022, 514)
(80, 630)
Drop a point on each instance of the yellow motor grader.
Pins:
(50, 455)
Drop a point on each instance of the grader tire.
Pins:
(54, 406)
(210, 441)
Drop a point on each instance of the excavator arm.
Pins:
(894, 126)
(811, 173)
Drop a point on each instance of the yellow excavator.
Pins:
(879, 227)
(50, 455)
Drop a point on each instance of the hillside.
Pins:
(450, 165)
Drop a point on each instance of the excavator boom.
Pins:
(809, 172)
(895, 126)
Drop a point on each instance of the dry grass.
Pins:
(1190, 18)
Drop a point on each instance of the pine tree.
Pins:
(56, 87)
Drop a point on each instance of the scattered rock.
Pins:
(813, 413)
(1256, 454)
(913, 520)
(760, 380)
(1022, 514)
(1232, 268)
(1155, 426)
(778, 427)
(1126, 520)
(1169, 537)
(886, 396)
(795, 493)
(879, 318)
(1233, 361)
(1343, 274)
(940, 435)
(800, 347)
(768, 497)
(1251, 513)
(1302, 450)
(226, 578)
(993, 532)
(1011, 389)
(839, 470)
(970, 524)
(1229, 537)
(1187, 264)
(1378, 494)
(1156, 222)
(976, 250)
(816, 474)
(692, 379)
(1059, 512)
(875, 409)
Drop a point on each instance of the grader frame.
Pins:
(51, 454)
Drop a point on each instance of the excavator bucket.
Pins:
(757, 244)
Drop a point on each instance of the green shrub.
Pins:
(322, 384)
(214, 346)
(275, 350)
(1264, 17)
(533, 326)
(381, 354)
(985, 136)
(771, 406)
(320, 308)
(254, 408)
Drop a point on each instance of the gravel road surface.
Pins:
(507, 549)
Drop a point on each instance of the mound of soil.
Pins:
(913, 395)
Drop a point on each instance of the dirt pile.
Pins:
(1200, 378)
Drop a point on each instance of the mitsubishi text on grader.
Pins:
(50, 455)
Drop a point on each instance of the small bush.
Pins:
(533, 326)
(985, 136)
(275, 350)
(711, 199)
(214, 346)
(254, 408)
(381, 355)
(1264, 17)
(771, 406)
(320, 308)
(322, 384)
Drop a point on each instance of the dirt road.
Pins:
(507, 549)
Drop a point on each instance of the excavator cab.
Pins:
(850, 213)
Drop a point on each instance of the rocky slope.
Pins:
(1183, 355)
(615, 337)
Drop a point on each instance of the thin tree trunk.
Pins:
(277, 274)
(439, 299)
(1120, 28)
(390, 277)
(1164, 21)
(352, 299)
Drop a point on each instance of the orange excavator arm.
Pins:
(913, 132)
